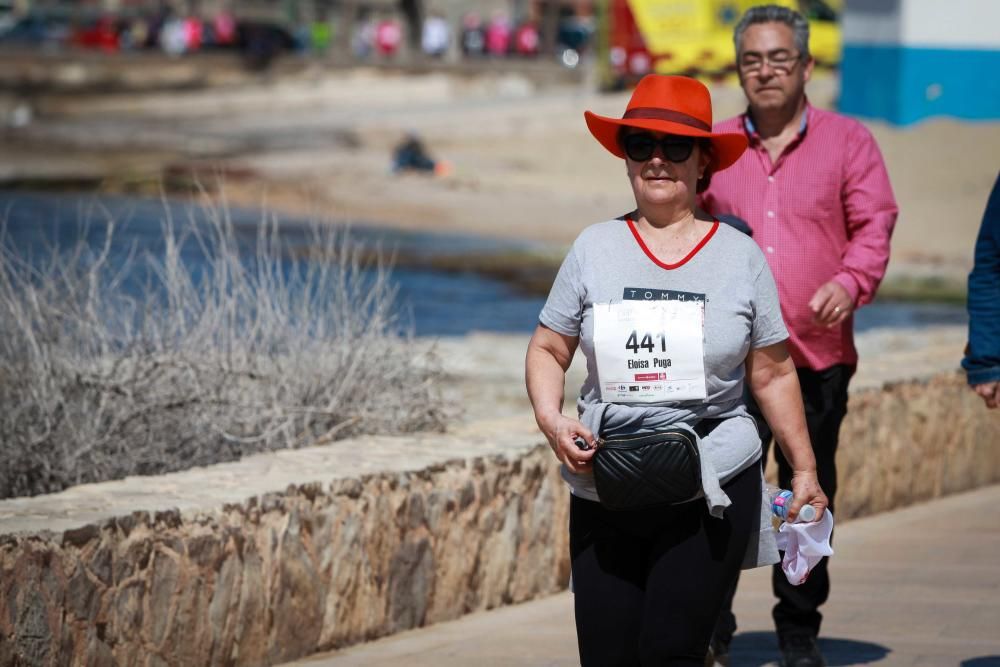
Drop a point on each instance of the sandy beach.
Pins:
(523, 165)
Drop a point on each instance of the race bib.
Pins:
(650, 351)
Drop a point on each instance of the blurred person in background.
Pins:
(173, 36)
(363, 35)
(103, 34)
(155, 25)
(435, 35)
(473, 38)
(320, 36)
(192, 33)
(261, 42)
(815, 191)
(526, 38)
(138, 33)
(411, 155)
(498, 34)
(224, 28)
(982, 354)
(388, 36)
(8, 16)
(649, 578)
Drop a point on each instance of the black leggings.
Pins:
(649, 584)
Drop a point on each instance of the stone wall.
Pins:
(321, 565)
(286, 574)
(912, 441)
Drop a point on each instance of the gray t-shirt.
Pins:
(729, 275)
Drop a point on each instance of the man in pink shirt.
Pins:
(814, 189)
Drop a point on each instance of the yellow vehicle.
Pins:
(696, 36)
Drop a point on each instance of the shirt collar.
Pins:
(751, 129)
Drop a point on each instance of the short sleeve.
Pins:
(563, 310)
(768, 326)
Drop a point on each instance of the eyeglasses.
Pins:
(780, 61)
(640, 146)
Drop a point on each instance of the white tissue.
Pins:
(804, 545)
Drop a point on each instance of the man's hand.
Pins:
(831, 304)
(990, 393)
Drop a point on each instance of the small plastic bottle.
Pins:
(781, 500)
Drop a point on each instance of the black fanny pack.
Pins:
(639, 471)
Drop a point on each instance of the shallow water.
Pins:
(431, 302)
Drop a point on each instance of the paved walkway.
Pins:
(918, 586)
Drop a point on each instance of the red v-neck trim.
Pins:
(694, 251)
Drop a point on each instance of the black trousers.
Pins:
(824, 394)
(648, 584)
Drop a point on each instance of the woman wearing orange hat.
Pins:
(672, 311)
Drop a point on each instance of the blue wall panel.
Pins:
(906, 84)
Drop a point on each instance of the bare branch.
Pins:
(115, 361)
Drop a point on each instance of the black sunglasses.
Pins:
(640, 146)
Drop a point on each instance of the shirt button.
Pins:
(770, 249)
(770, 214)
(770, 179)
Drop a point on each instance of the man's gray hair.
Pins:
(774, 14)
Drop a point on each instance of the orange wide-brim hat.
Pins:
(672, 105)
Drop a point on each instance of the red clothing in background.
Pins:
(388, 37)
(498, 36)
(823, 211)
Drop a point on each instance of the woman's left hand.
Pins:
(806, 491)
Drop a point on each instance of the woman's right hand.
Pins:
(562, 433)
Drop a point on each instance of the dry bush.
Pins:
(99, 381)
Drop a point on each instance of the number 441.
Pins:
(634, 343)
